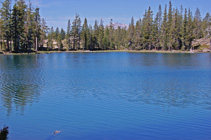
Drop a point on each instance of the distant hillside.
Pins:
(121, 25)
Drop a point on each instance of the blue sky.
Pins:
(57, 12)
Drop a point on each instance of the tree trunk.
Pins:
(1, 45)
(18, 44)
(8, 45)
(11, 46)
(74, 43)
(210, 44)
(36, 45)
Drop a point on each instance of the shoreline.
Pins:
(107, 51)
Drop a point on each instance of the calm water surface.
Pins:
(106, 96)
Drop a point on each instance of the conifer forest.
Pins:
(23, 30)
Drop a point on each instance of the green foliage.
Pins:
(75, 32)
(22, 29)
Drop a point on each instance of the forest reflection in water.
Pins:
(20, 81)
(176, 80)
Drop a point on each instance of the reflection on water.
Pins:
(173, 79)
(106, 95)
(20, 81)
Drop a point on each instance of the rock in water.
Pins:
(57, 132)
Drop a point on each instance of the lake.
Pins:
(106, 96)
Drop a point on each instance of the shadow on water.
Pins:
(20, 81)
(176, 80)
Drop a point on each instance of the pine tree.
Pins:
(164, 30)
(50, 38)
(18, 26)
(159, 17)
(131, 34)
(101, 35)
(85, 35)
(6, 21)
(63, 34)
(137, 36)
(170, 28)
(36, 28)
(57, 32)
(111, 36)
(28, 31)
(177, 28)
(21, 22)
(184, 30)
(1, 37)
(155, 32)
(76, 29)
(198, 24)
(14, 28)
(106, 42)
(95, 35)
(190, 28)
(59, 42)
(44, 30)
(68, 35)
(147, 29)
(118, 38)
(205, 25)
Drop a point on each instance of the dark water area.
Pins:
(106, 96)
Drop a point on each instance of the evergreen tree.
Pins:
(190, 28)
(198, 24)
(101, 35)
(176, 27)
(164, 30)
(37, 28)
(6, 22)
(95, 35)
(137, 36)
(1, 36)
(159, 34)
(19, 28)
(44, 30)
(155, 32)
(50, 38)
(111, 36)
(131, 34)
(59, 42)
(147, 29)
(85, 35)
(106, 42)
(76, 29)
(68, 35)
(62, 34)
(14, 28)
(170, 28)
(57, 32)
(28, 31)
(184, 30)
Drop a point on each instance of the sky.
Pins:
(57, 12)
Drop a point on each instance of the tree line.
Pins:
(169, 29)
(21, 27)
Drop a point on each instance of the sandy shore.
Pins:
(101, 51)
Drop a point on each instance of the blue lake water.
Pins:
(106, 96)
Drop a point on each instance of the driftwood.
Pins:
(4, 133)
